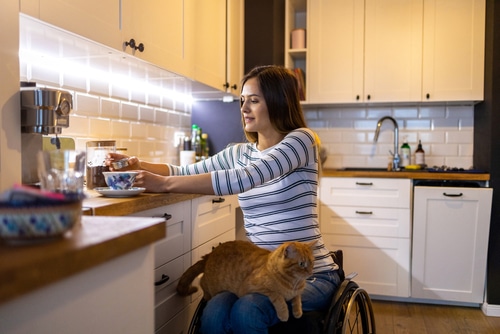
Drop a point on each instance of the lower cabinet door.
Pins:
(382, 264)
(167, 302)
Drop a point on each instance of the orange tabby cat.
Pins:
(242, 267)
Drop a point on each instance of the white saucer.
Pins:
(108, 192)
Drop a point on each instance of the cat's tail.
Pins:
(184, 287)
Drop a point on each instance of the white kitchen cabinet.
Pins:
(80, 17)
(218, 60)
(450, 243)
(370, 219)
(394, 51)
(211, 217)
(193, 228)
(365, 51)
(164, 28)
(453, 52)
(214, 222)
(172, 258)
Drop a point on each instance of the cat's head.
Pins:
(298, 257)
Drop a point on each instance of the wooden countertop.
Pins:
(106, 206)
(26, 267)
(415, 175)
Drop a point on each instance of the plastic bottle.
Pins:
(420, 155)
(405, 153)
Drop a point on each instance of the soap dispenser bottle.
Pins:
(405, 153)
(420, 155)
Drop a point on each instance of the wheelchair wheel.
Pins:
(352, 312)
(194, 326)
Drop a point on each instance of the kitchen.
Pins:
(93, 119)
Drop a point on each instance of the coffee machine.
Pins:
(44, 111)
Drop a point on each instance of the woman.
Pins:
(276, 177)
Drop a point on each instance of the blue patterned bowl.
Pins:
(120, 180)
(38, 221)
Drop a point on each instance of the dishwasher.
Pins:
(451, 221)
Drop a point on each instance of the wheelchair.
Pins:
(350, 311)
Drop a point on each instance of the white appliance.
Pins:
(450, 241)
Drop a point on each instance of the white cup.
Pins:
(187, 157)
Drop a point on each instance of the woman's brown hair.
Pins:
(279, 87)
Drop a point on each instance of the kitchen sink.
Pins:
(364, 169)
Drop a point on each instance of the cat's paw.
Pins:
(297, 313)
(283, 315)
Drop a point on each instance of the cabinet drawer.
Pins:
(365, 221)
(391, 193)
(212, 216)
(167, 302)
(382, 264)
(178, 238)
(206, 248)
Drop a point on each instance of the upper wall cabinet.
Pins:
(159, 26)
(80, 17)
(453, 53)
(365, 51)
(219, 43)
(164, 28)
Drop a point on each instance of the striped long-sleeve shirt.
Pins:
(276, 187)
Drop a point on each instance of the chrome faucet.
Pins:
(395, 154)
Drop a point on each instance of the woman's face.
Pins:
(254, 108)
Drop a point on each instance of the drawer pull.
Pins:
(364, 183)
(163, 280)
(453, 195)
(167, 216)
(364, 212)
(218, 200)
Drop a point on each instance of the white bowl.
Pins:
(120, 180)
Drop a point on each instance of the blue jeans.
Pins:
(254, 313)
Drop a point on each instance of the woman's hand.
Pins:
(132, 162)
(153, 183)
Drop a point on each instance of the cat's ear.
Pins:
(290, 249)
(312, 244)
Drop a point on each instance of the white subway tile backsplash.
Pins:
(446, 133)
(86, 105)
(130, 111)
(459, 136)
(146, 114)
(405, 112)
(110, 108)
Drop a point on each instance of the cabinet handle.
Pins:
(364, 183)
(427, 96)
(218, 200)
(164, 278)
(453, 195)
(132, 44)
(235, 87)
(167, 216)
(357, 97)
(368, 97)
(364, 212)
